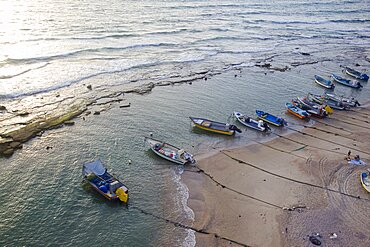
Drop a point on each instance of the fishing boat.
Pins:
(296, 111)
(251, 123)
(320, 99)
(345, 82)
(323, 82)
(271, 119)
(352, 102)
(312, 108)
(216, 127)
(356, 74)
(170, 152)
(365, 181)
(103, 182)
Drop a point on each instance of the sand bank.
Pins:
(280, 192)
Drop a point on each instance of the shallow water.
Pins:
(113, 46)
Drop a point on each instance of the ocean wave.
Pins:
(139, 65)
(79, 52)
(5, 75)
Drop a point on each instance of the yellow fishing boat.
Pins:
(216, 127)
(365, 181)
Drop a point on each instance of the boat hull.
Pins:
(345, 82)
(362, 179)
(356, 74)
(324, 83)
(253, 124)
(296, 111)
(221, 127)
(177, 157)
(103, 182)
(268, 118)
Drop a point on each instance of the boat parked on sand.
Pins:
(323, 82)
(296, 111)
(170, 152)
(103, 182)
(356, 74)
(216, 127)
(365, 181)
(312, 108)
(345, 82)
(323, 101)
(352, 102)
(251, 123)
(271, 119)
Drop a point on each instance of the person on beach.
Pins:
(348, 157)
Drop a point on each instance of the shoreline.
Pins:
(268, 193)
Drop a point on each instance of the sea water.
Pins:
(50, 51)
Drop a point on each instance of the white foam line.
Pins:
(182, 203)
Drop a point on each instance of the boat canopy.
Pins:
(95, 167)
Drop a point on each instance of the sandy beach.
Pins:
(281, 192)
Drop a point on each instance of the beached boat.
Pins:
(103, 182)
(323, 82)
(345, 82)
(216, 127)
(312, 108)
(320, 99)
(296, 111)
(356, 74)
(365, 181)
(170, 152)
(271, 119)
(352, 102)
(251, 123)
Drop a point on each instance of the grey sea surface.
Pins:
(51, 50)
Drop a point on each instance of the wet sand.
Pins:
(280, 192)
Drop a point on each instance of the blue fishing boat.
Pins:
(356, 74)
(103, 182)
(271, 119)
(296, 111)
(251, 123)
(323, 82)
(345, 82)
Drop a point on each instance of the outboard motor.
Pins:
(233, 127)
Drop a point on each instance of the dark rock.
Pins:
(305, 53)
(23, 114)
(69, 123)
(87, 113)
(357, 64)
(264, 65)
(89, 87)
(8, 152)
(58, 95)
(97, 113)
(205, 78)
(235, 75)
(49, 147)
(124, 106)
(14, 144)
(190, 83)
(2, 108)
(314, 240)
